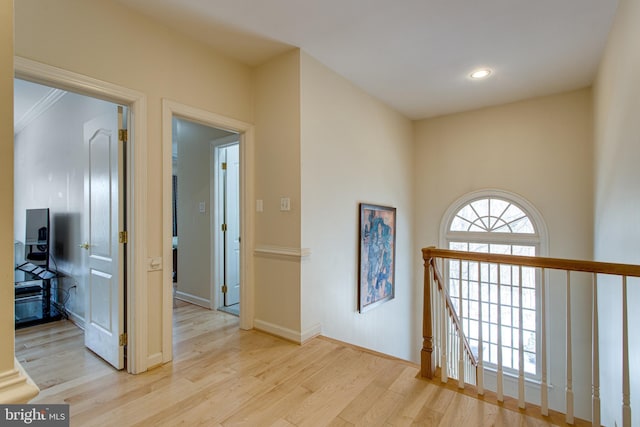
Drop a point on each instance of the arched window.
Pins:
(495, 221)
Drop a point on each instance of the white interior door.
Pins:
(232, 235)
(104, 292)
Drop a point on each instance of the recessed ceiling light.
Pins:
(480, 73)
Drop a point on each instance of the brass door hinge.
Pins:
(225, 289)
(123, 135)
(224, 227)
(224, 166)
(122, 340)
(124, 237)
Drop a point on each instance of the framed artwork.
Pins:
(377, 256)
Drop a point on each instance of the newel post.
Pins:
(427, 358)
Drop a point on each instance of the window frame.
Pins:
(538, 240)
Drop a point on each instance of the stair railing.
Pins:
(451, 349)
(439, 340)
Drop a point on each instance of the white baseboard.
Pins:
(76, 319)
(154, 360)
(286, 333)
(202, 302)
(16, 386)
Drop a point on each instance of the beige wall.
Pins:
(540, 149)
(277, 174)
(617, 202)
(354, 149)
(277, 111)
(109, 42)
(6, 186)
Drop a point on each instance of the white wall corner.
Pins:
(16, 386)
(311, 333)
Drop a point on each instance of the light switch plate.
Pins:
(259, 205)
(202, 207)
(285, 204)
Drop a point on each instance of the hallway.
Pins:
(224, 376)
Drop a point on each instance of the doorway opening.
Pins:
(66, 146)
(205, 215)
(135, 342)
(234, 132)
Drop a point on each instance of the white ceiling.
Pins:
(415, 55)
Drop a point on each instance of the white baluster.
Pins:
(544, 391)
(521, 346)
(480, 369)
(441, 320)
(595, 363)
(569, 390)
(500, 391)
(626, 392)
(445, 338)
(436, 310)
(451, 351)
(456, 361)
(461, 332)
(466, 368)
(455, 366)
(453, 354)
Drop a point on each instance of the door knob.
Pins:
(84, 245)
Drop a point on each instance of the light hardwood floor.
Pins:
(221, 375)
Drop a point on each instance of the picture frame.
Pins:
(376, 255)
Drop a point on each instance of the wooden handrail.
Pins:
(541, 262)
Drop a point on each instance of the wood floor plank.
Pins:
(223, 376)
(267, 408)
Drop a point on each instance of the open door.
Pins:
(231, 154)
(104, 216)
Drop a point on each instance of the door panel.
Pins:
(104, 315)
(232, 236)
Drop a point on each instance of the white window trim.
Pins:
(534, 214)
(525, 205)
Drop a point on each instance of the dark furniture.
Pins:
(175, 265)
(33, 302)
(37, 237)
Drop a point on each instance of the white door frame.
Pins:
(246, 131)
(136, 311)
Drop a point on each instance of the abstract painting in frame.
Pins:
(377, 255)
